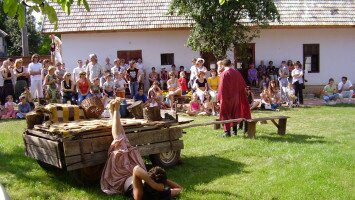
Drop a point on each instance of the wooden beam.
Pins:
(37, 154)
(160, 147)
(40, 142)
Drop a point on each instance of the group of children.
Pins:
(11, 110)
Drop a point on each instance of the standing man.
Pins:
(140, 67)
(284, 73)
(232, 97)
(77, 70)
(56, 48)
(34, 69)
(93, 69)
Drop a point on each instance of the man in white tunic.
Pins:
(93, 69)
(57, 49)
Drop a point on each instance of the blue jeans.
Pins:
(133, 88)
(82, 97)
(331, 97)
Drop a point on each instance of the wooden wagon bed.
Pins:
(81, 144)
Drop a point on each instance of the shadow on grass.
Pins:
(292, 138)
(201, 170)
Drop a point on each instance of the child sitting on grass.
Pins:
(10, 108)
(95, 88)
(23, 108)
(195, 106)
(291, 97)
(207, 105)
(28, 97)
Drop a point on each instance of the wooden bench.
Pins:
(281, 125)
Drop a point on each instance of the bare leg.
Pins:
(117, 127)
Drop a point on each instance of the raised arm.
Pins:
(175, 188)
(117, 127)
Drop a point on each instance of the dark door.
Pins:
(129, 55)
(244, 55)
(209, 59)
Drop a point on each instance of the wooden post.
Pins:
(251, 129)
(282, 127)
(216, 126)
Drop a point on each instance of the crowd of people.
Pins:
(47, 83)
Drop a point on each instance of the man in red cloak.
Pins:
(232, 97)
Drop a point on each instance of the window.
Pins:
(167, 58)
(311, 57)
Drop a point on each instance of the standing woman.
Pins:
(7, 74)
(21, 78)
(132, 77)
(174, 89)
(297, 81)
(201, 85)
(51, 81)
(213, 83)
(83, 87)
(34, 68)
(67, 87)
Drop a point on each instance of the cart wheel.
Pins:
(47, 167)
(166, 159)
(87, 175)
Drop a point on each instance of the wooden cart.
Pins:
(84, 154)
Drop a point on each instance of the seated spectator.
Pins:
(95, 88)
(108, 87)
(156, 89)
(213, 83)
(153, 76)
(182, 83)
(153, 100)
(51, 80)
(252, 103)
(28, 96)
(345, 88)
(163, 78)
(252, 75)
(173, 88)
(330, 92)
(262, 69)
(207, 106)
(182, 69)
(270, 97)
(201, 85)
(140, 96)
(10, 108)
(83, 87)
(2, 109)
(272, 71)
(120, 85)
(23, 108)
(264, 82)
(195, 107)
(68, 91)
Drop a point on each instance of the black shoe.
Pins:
(226, 134)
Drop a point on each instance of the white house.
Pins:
(319, 33)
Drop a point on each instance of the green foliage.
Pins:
(16, 8)
(11, 27)
(219, 24)
(314, 160)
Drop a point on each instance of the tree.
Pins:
(16, 8)
(220, 24)
(10, 26)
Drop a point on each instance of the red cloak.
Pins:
(232, 96)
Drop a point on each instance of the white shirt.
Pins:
(108, 86)
(193, 72)
(107, 67)
(117, 69)
(94, 71)
(297, 72)
(140, 66)
(35, 67)
(76, 72)
(119, 84)
(57, 43)
(346, 86)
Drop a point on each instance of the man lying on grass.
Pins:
(125, 171)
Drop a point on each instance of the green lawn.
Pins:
(314, 160)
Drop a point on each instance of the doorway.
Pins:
(244, 55)
(209, 59)
(129, 55)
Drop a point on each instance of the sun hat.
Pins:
(200, 59)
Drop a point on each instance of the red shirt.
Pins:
(83, 86)
(183, 84)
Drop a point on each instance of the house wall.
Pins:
(152, 44)
(337, 50)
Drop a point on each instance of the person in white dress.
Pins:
(34, 69)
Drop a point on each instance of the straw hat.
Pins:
(200, 59)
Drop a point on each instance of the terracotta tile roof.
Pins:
(116, 15)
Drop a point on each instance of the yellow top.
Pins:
(213, 82)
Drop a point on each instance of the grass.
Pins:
(314, 160)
